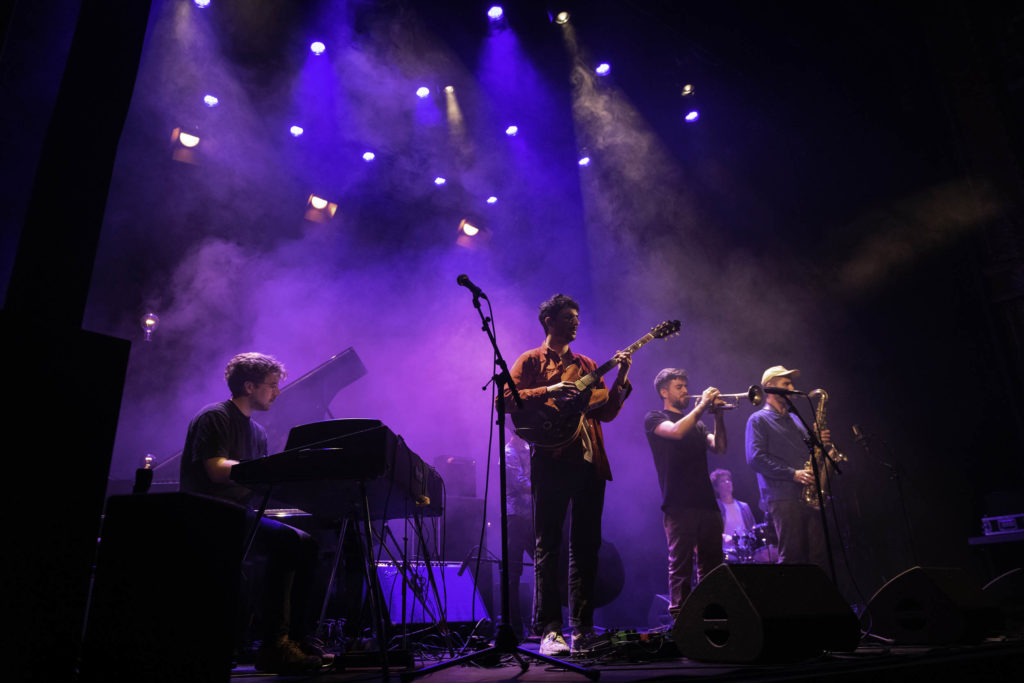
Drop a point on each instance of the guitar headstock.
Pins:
(666, 329)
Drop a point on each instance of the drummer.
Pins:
(738, 520)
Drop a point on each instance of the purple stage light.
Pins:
(584, 161)
(210, 101)
(201, 3)
(692, 116)
(317, 47)
(603, 69)
(511, 131)
(496, 13)
(369, 156)
(422, 91)
(296, 131)
(492, 200)
(439, 181)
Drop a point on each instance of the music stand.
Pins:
(505, 640)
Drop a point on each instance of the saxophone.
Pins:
(810, 493)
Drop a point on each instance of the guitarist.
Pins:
(572, 473)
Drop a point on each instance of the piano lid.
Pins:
(301, 401)
(307, 398)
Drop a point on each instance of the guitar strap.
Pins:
(588, 447)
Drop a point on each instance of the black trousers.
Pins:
(801, 538)
(687, 531)
(291, 557)
(520, 541)
(559, 486)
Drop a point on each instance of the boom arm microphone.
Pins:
(783, 392)
(464, 281)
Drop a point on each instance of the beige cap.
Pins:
(778, 371)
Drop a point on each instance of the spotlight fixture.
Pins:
(317, 47)
(187, 139)
(471, 234)
(584, 161)
(692, 116)
(422, 92)
(449, 89)
(296, 131)
(149, 323)
(512, 131)
(319, 210)
(495, 13)
(603, 69)
(369, 156)
(562, 18)
(184, 146)
(687, 90)
(210, 100)
(439, 181)
(492, 199)
(201, 4)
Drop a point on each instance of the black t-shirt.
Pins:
(220, 430)
(682, 464)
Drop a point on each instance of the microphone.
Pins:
(783, 392)
(464, 281)
(859, 436)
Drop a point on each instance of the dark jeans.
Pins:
(556, 484)
(801, 539)
(686, 530)
(291, 560)
(520, 540)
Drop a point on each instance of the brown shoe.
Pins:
(311, 645)
(283, 656)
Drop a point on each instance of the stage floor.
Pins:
(997, 659)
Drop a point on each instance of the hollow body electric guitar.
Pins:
(559, 421)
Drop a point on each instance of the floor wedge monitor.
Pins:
(932, 606)
(764, 613)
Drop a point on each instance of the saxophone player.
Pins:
(777, 452)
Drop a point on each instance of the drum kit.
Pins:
(756, 546)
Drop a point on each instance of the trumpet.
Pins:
(754, 394)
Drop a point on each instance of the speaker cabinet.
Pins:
(764, 613)
(163, 603)
(931, 606)
(455, 601)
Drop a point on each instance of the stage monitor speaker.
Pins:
(163, 604)
(931, 606)
(764, 613)
(458, 599)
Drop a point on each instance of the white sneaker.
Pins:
(553, 645)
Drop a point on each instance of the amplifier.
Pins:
(456, 599)
(1004, 524)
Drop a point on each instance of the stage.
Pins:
(999, 658)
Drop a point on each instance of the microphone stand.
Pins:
(505, 640)
(894, 474)
(812, 442)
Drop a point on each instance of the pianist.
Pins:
(222, 435)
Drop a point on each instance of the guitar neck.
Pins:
(588, 380)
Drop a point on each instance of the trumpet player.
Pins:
(679, 442)
(777, 451)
